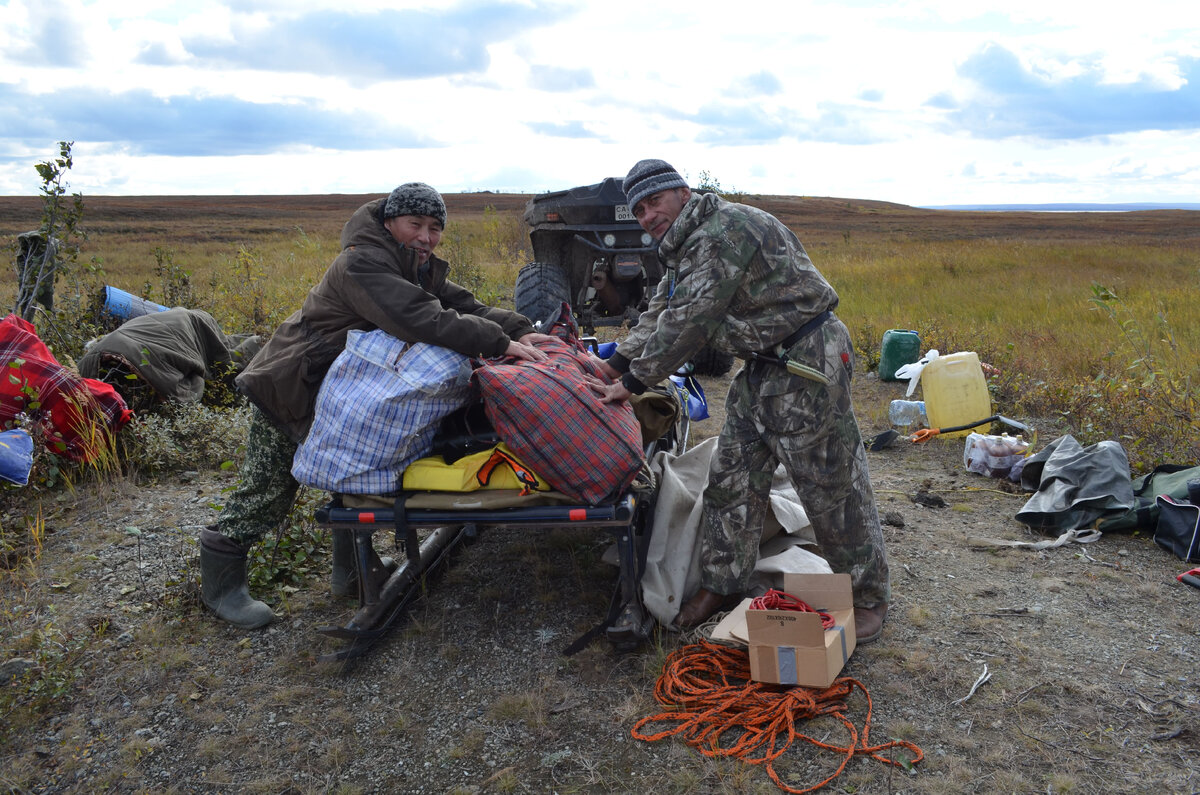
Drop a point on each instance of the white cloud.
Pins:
(922, 101)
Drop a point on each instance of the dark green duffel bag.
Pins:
(1178, 529)
(1166, 479)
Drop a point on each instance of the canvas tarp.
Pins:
(673, 559)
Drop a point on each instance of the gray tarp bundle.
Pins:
(174, 351)
(1075, 485)
(672, 571)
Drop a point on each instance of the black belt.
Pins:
(793, 367)
(805, 330)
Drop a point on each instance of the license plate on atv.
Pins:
(626, 267)
(623, 213)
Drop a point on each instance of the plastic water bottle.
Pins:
(907, 412)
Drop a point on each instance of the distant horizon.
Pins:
(1067, 207)
(1119, 206)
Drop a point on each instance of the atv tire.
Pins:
(712, 362)
(540, 291)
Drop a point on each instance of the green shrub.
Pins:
(185, 437)
(292, 554)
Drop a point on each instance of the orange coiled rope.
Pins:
(775, 599)
(708, 690)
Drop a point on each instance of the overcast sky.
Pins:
(922, 102)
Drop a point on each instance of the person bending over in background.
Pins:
(385, 277)
(739, 280)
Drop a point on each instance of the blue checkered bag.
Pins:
(378, 410)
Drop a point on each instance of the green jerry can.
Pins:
(900, 347)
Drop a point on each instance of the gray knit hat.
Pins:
(415, 198)
(648, 177)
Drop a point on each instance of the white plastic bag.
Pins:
(993, 456)
(913, 371)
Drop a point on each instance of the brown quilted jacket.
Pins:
(373, 283)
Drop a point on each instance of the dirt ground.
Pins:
(1088, 652)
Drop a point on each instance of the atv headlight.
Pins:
(646, 239)
(610, 240)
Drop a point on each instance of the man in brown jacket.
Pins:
(385, 277)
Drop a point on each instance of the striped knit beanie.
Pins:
(415, 198)
(648, 177)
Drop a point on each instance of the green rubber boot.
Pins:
(223, 585)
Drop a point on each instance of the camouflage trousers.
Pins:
(772, 418)
(267, 490)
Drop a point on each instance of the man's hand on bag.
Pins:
(608, 369)
(523, 350)
(609, 393)
(533, 338)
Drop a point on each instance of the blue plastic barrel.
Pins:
(124, 306)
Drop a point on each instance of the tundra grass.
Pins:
(1120, 368)
(1103, 337)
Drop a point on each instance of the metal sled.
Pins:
(455, 520)
(384, 595)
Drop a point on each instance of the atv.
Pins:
(590, 253)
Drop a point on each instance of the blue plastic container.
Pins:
(125, 306)
(16, 456)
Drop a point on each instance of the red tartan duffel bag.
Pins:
(78, 416)
(552, 420)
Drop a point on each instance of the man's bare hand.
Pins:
(608, 369)
(609, 393)
(533, 338)
(523, 350)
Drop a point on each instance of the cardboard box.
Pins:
(792, 648)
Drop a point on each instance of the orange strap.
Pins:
(528, 480)
(719, 711)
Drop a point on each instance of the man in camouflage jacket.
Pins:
(740, 281)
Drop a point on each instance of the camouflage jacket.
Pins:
(735, 278)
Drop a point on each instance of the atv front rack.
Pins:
(384, 595)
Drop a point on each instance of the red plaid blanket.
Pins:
(77, 415)
(550, 419)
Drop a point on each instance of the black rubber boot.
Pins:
(223, 582)
(343, 579)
